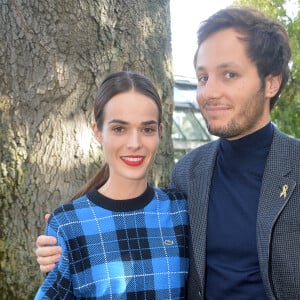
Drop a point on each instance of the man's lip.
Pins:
(216, 109)
(133, 160)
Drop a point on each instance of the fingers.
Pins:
(47, 255)
(44, 248)
(48, 251)
(47, 263)
(47, 216)
(49, 259)
(45, 240)
(46, 268)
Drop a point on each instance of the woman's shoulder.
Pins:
(170, 193)
(172, 202)
(69, 210)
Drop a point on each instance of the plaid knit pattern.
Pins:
(113, 254)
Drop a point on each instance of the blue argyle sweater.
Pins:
(120, 249)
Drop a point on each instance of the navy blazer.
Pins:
(278, 217)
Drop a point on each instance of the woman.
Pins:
(120, 237)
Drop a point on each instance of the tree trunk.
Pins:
(53, 54)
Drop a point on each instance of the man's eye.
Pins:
(203, 78)
(230, 75)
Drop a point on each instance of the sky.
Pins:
(186, 17)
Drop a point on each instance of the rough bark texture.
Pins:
(53, 54)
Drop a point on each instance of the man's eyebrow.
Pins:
(200, 68)
(220, 66)
(227, 65)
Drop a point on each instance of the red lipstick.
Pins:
(133, 160)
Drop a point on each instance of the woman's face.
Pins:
(130, 135)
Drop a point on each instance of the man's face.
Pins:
(230, 93)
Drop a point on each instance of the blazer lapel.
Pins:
(198, 195)
(275, 193)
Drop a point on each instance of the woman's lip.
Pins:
(133, 160)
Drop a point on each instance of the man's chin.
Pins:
(221, 132)
(215, 131)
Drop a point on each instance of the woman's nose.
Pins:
(134, 140)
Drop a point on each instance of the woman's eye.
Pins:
(149, 130)
(118, 129)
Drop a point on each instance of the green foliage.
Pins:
(286, 114)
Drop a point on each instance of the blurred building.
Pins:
(189, 128)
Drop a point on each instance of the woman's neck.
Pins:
(127, 189)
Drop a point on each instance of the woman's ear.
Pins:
(272, 85)
(97, 133)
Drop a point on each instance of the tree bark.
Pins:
(53, 54)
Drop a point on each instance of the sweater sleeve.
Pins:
(57, 283)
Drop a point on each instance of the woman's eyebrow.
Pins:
(118, 121)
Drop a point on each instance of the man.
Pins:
(243, 189)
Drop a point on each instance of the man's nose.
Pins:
(210, 90)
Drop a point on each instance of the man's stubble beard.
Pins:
(249, 116)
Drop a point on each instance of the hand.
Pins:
(47, 255)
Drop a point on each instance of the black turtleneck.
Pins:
(232, 261)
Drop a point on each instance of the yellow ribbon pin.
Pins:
(284, 190)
